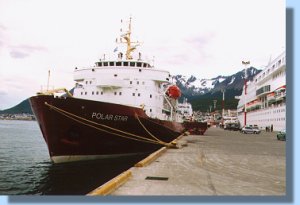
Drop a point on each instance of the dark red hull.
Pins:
(85, 132)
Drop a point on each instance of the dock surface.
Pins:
(217, 163)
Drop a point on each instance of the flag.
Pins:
(116, 49)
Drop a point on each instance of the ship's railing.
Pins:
(55, 91)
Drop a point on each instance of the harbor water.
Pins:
(26, 168)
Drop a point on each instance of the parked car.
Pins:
(232, 126)
(250, 130)
(256, 130)
(281, 135)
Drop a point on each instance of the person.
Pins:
(271, 127)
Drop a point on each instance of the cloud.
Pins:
(18, 54)
(2, 93)
(23, 51)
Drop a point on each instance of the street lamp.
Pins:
(215, 102)
(245, 63)
(223, 103)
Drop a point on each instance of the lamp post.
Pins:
(245, 63)
(215, 103)
(223, 105)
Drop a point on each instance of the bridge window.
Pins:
(120, 93)
(105, 64)
(97, 93)
(111, 63)
(144, 65)
(139, 64)
(99, 64)
(133, 94)
(118, 63)
(132, 64)
(125, 63)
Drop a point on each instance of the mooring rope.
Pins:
(138, 138)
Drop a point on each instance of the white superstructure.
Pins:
(266, 97)
(186, 110)
(128, 81)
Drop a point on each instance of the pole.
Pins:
(48, 80)
(245, 63)
(223, 103)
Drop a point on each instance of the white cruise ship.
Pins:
(265, 98)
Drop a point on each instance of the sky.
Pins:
(204, 38)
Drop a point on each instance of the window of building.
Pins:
(86, 82)
(85, 93)
(97, 93)
(139, 64)
(144, 65)
(132, 64)
(105, 63)
(130, 82)
(137, 82)
(115, 75)
(150, 95)
(139, 94)
(99, 64)
(115, 93)
(81, 93)
(133, 94)
(101, 93)
(90, 82)
(150, 110)
(125, 63)
(118, 63)
(92, 92)
(120, 93)
(111, 63)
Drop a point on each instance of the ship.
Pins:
(263, 100)
(119, 107)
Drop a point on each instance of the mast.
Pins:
(48, 80)
(131, 46)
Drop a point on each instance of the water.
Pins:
(26, 169)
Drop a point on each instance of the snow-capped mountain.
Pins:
(192, 86)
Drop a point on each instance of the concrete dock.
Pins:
(217, 163)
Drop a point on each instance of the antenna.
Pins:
(48, 80)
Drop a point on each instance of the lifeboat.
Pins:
(173, 92)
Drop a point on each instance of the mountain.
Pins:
(23, 107)
(199, 92)
(191, 86)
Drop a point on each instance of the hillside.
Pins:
(23, 107)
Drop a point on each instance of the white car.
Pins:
(250, 130)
